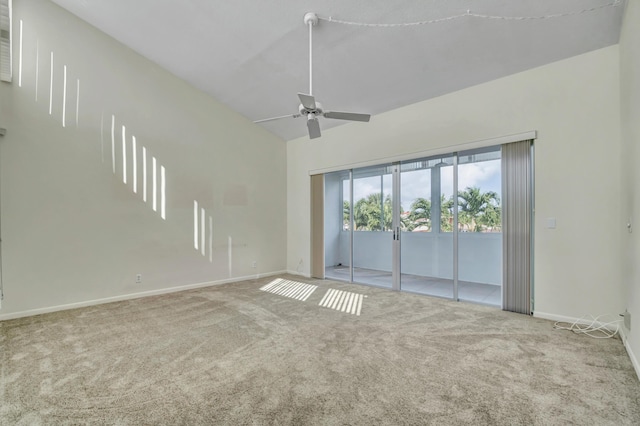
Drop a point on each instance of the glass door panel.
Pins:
(372, 226)
(479, 226)
(426, 191)
(337, 238)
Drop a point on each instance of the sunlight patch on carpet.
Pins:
(287, 288)
(344, 301)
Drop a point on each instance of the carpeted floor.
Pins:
(234, 354)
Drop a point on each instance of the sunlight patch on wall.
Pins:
(163, 186)
(20, 57)
(134, 163)
(195, 224)
(37, 67)
(64, 95)
(61, 79)
(154, 182)
(102, 136)
(210, 239)
(51, 86)
(200, 231)
(124, 155)
(230, 255)
(113, 143)
(202, 215)
(77, 102)
(144, 174)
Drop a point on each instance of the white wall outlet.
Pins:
(254, 264)
(138, 278)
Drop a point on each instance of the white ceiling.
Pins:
(252, 55)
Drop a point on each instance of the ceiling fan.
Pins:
(309, 108)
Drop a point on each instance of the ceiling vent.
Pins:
(5, 40)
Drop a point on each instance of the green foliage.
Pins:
(346, 212)
(446, 218)
(419, 214)
(371, 214)
(478, 212)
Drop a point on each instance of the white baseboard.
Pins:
(553, 317)
(570, 320)
(621, 331)
(632, 356)
(300, 274)
(130, 296)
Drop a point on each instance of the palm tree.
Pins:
(477, 209)
(368, 216)
(346, 212)
(420, 214)
(491, 219)
(446, 215)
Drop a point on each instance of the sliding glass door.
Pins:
(373, 226)
(480, 226)
(430, 226)
(426, 188)
(337, 225)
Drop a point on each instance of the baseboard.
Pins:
(300, 274)
(632, 356)
(570, 320)
(621, 332)
(131, 296)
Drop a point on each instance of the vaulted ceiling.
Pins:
(254, 55)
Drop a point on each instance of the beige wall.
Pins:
(72, 231)
(574, 105)
(630, 94)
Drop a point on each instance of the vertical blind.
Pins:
(517, 212)
(317, 226)
(5, 40)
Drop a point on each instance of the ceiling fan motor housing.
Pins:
(305, 111)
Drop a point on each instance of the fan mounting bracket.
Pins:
(310, 17)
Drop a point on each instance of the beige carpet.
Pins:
(235, 354)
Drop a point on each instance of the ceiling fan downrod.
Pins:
(310, 19)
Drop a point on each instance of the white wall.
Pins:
(630, 90)
(72, 231)
(574, 105)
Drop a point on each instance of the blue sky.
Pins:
(486, 175)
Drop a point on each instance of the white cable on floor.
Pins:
(591, 326)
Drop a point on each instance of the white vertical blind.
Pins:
(5, 41)
(517, 212)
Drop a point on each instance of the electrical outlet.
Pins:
(138, 278)
(254, 264)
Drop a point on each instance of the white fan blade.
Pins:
(308, 101)
(277, 118)
(313, 126)
(351, 116)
